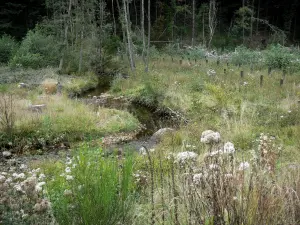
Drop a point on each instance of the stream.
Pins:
(151, 118)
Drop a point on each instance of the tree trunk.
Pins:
(143, 31)
(136, 14)
(149, 35)
(295, 28)
(123, 27)
(251, 22)
(80, 54)
(129, 42)
(193, 29)
(114, 19)
(212, 22)
(258, 9)
(61, 63)
(203, 29)
(101, 17)
(243, 22)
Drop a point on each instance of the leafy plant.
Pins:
(245, 56)
(37, 50)
(278, 57)
(8, 46)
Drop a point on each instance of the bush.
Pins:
(278, 57)
(245, 56)
(197, 52)
(27, 60)
(37, 50)
(7, 48)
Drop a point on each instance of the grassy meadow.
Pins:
(244, 169)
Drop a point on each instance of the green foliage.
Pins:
(81, 84)
(112, 44)
(172, 49)
(62, 120)
(198, 52)
(221, 41)
(279, 57)
(246, 56)
(100, 191)
(8, 47)
(242, 21)
(37, 50)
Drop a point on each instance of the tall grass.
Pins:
(93, 189)
(61, 120)
(238, 107)
(223, 189)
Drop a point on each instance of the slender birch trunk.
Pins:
(203, 29)
(149, 35)
(258, 11)
(129, 43)
(251, 22)
(114, 19)
(61, 63)
(143, 31)
(123, 28)
(193, 29)
(212, 20)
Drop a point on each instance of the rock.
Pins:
(6, 154)
(22, 85)
(142, 150)
(210, 137)
(59, 88)
(160, 133)
(37, 108)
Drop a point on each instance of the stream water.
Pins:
(151, 118)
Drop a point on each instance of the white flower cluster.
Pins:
(142, 150)
(211, 72)
(68, 169)
(199, 177)
(189, 146)
(227, 149)
(185, 157)
(210, 137)
(23, 192)
(243, 166)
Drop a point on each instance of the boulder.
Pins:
(160, 133)
(23, 85)
(6, 154)
(37, 108)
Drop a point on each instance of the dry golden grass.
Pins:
(49, 86)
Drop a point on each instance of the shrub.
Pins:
(37, 50)
(7, 48)
(195, 53)
(245, 56)
(27, 60)
(278, 57)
